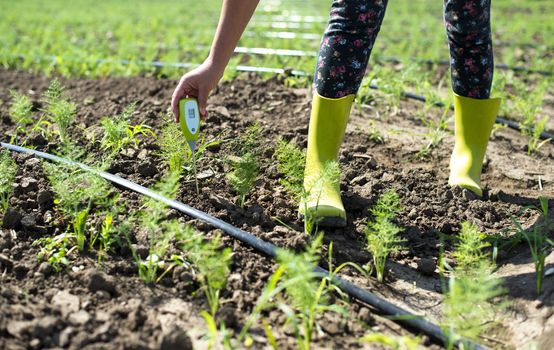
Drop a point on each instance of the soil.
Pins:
(87, 308)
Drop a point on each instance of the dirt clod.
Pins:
(12, 218)
(45, 268)
(99, 281)
(426, 266)
(175, 339)
(66, 302)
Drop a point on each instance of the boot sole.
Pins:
(328, 221)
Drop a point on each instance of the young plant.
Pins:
(382, 234)
(119, 133)
(174, 148)
(299, 292)
(60, 111)
(20, 109)
(211, 264)
(244, 171)
(290, 163)
(468, 310)
(77, 192)
(539, 243)
(245, 166)
(8, 170)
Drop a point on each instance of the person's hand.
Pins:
(196, 83)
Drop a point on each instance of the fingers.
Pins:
(202, 101)
(177, 94)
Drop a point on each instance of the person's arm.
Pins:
(235, 15)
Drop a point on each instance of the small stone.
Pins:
(426, 266)
(350, 174)
(18, 328)
(99, 280)
(371, 163)
(29, 184)
(45, 268)
(65, 336)
(359, 180)
(175, 339)
(387, 177)
(66, 302)
(12, 219)
(469, 195)
(223, 111)
(79, 318)
(29, 222)
(364, 314)
(35, 343)
(142, 154)
(5, 262)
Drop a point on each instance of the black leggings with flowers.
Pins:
(353, 27)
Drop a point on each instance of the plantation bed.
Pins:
(85, 308)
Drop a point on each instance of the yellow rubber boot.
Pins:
(327, 127)
(474, 120)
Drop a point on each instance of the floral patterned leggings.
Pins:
(352, 30)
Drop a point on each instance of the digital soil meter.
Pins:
(189, 119)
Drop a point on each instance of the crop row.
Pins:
(94, 220)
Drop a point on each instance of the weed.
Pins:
(20, 109)
(8, 170)
(119, 133)
(468, 310)
(55, 250)
(375, 134)
(291, 160)
(381, 234)
(59, 109)
(392, 342)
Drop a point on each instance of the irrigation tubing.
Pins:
(499, 120)
(386, 308)
(293, 72)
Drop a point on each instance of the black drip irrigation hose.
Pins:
(499, 120)
(384, 307)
